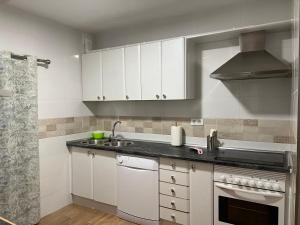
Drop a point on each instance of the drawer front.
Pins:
(175, 203)
(175, 190)
(174, 177)
(174, 165)
(174, 216)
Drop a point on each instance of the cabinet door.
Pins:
(173, 69)
(132, 73)
(201, 193)
(105, 177)
(113, 74)
(82, 180)
(91, 76)
(151, 70)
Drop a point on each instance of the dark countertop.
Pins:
(253, 159)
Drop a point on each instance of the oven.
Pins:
(248, 200)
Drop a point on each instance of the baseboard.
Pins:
(94, 205)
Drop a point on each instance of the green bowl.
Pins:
(97, 135)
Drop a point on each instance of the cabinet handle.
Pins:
(173, 178)
(157, 96)
(173, 166)
(193, 167)
(93, 155)
(89, 152)
(173, 217)
(127, 97)
(164, 96)
(173, 203)
(103, 97)
(98, 97)
(173, 191)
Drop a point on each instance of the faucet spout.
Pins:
(114, 128)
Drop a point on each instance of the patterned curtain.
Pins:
(19, 154)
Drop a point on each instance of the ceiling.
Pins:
(97, 15)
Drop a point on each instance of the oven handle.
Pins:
(275, 194)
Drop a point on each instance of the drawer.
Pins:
(174, 216)
(174, 190)
(174, 203)
(174, 165)
(174, 177)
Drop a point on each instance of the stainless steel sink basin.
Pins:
(94, 142)
(118, 143)
(107, 143)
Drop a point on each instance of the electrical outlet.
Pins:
(197, 122)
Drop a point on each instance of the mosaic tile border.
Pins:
(273, 131)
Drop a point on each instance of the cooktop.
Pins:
(267, 158)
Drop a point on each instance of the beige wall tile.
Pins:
(250, 122)
(51, 127)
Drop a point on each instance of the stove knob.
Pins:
(259, 184)
(244, 182)
(267, 185)
(251, 183)
(223, 178)
(276, 187)
(237, 180)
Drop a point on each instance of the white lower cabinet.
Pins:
(82, 179)
(201, 193)
(94, 175)
(186, 192)
(105, 177)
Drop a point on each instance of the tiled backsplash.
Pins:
(273, 131)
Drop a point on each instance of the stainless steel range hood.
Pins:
(253, 62)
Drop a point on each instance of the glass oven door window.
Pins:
(240, 212)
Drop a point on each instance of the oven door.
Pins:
(239, 205)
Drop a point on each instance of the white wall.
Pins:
(250, 99)
(250, 13)
(59, 86)
(59, 90)
(263, 99)
(55, 168)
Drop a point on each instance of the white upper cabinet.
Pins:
(159, 70)
(151, 70)
(132, 73)
(91, 76)
(173, 69)
(113, 74)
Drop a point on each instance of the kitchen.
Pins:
(149, 76)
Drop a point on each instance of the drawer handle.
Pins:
(173, 178)
(173, 166)
(173, 203)
(173, 191)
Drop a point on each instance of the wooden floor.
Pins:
(78, 215)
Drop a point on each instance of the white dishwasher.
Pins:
(137, 193)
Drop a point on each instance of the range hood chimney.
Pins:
(253, 62)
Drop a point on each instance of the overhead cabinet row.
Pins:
(148, 71)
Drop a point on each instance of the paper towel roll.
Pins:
(176, 135)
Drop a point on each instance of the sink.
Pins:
(107, 142)
(118, 143)
(94, 142)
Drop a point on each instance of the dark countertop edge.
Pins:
(204, 159)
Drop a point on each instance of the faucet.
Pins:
(113, 129)
(212, 140)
